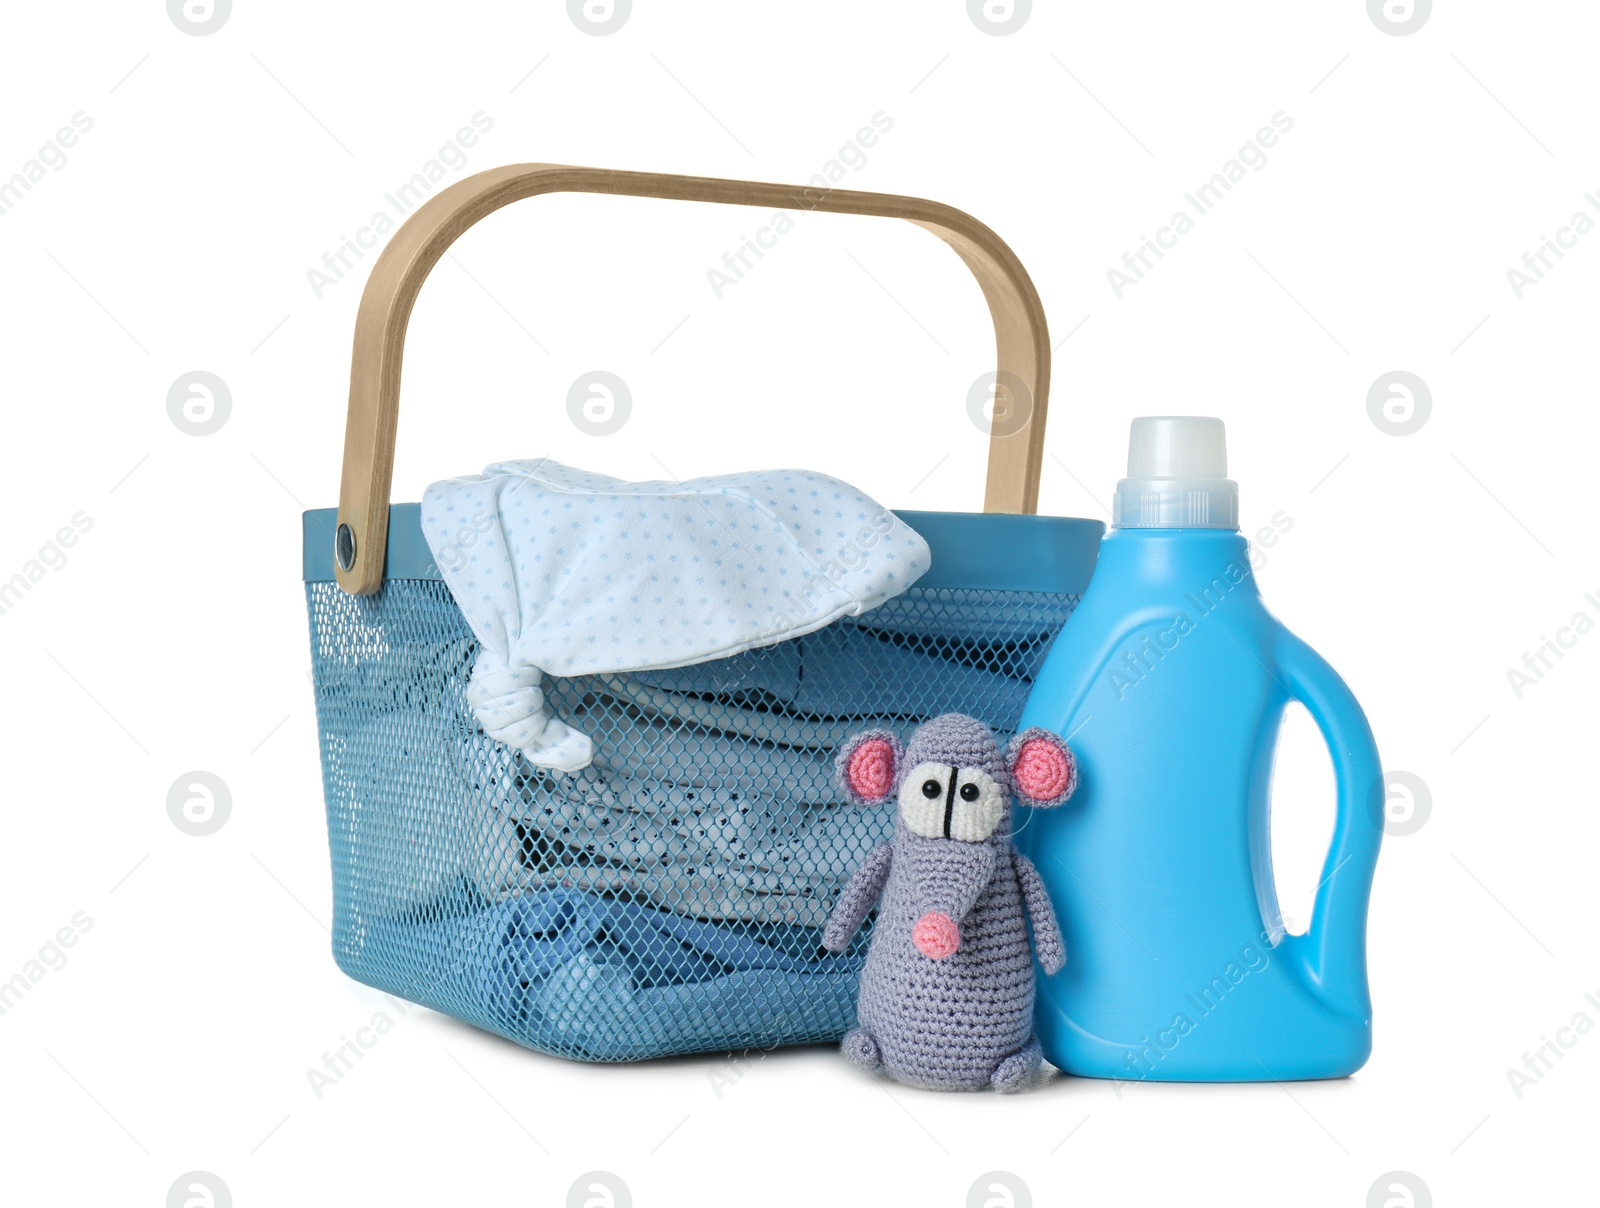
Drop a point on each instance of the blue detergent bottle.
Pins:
(1170, 682)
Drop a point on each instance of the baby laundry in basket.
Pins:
(528, 875)
(567, 572)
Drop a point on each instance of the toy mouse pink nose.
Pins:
(936, 935)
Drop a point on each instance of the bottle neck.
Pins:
(1176, 503)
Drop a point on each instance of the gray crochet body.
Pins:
(948, 1024)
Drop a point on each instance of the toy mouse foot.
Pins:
(861, 1051)
(1013, 1073)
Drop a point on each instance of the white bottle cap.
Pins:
(1177, 476)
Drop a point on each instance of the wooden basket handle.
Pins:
(1016, 448)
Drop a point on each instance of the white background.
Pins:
(1378, 236)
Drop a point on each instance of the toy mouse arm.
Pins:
(858, 898)
(1046, 931)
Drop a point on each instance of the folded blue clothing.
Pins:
(591, 1011)
(849, 671)
(583, 976)
(546, 931)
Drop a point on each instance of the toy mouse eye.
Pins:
(969, 792)
(932, 788)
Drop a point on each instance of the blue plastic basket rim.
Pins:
(993, 551)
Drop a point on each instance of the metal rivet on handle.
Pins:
(344, 547)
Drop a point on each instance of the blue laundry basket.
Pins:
(669, 898)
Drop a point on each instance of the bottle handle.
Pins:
(1332, 954)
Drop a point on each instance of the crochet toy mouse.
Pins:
(946, 998)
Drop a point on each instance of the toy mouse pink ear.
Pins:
(869, 767)
(1044, 771)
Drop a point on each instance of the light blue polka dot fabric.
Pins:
(574, 573)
